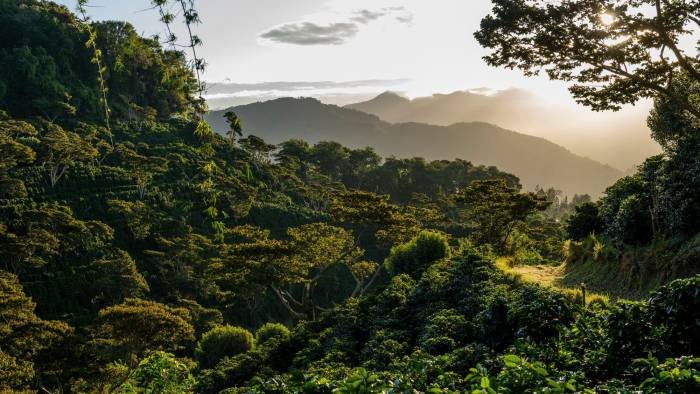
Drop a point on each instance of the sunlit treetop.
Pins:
(614, 51)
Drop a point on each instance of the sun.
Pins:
(607, 18)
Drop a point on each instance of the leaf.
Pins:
(485, 383)
(511, 360)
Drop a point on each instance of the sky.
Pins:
(427, 45)
(343, 51)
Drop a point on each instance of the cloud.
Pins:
(308, 33)
(405, 19)
(366, 16)
(293, 88)
(227, 93)
(334, 33)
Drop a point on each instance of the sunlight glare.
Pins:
(607, 19)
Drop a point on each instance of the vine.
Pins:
(167, 18)
(86, 26)
(191, 17)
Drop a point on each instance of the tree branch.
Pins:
(285, 302)
(682, 60)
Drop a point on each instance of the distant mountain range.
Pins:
(621, 139)
(534, 160)
(448, 109)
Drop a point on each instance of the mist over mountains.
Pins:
(535, 160)
(620, 139)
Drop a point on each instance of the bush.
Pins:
(414, 257)
(269, 331)
(220, 342)
(675, 315)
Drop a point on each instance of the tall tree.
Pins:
(495, 209)
(61, 150)
(234, 126)
(615, 51)
(24, 336)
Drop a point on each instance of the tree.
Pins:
(316, 248)
(385, 223)
(376, 215)
(270, 331)
(113, 278)
(160, 372)
(184, 266)
(30, 249)
(669, 123)
(331, 158)
(220, 342)
(91, 42)
(135, 216)
(496, 208)
(258, 148)
(44, 232)
(584, 221)
(144, 82)
(615, 51)
(361, 163)
(414, 257)
(234, 126)
(24, 336)
(144, 168)
(127, 330)
(12, 151)
(62, 150)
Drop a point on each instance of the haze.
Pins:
(346, 51)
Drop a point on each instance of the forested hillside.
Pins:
(535, 161)
(141, 252)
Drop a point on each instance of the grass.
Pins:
(554, 277)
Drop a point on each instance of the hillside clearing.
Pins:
(550, 276)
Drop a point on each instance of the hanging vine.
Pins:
(191, 17)
(86, 26)
(167, 18)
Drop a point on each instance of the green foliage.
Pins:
(160, 372)
(496, 208)
(584, 221)
(221, 342)
(234, 124)
(672, 376)
(136, 326)
(26, 338)
(47, 67)
(670, 124)
(571, 41)
(271, 331)
(414, 257)
(152, 231)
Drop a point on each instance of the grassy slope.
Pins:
(554, 277)
(615, 274)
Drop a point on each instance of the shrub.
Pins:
(220, 342)
(414, 257)
(443, 331)
(160, 372)
(675, 314)
(269, 331)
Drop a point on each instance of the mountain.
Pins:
(621, 139)
(443, 109)
(534, 160)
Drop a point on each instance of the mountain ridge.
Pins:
(535, 160)
(620, 139)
